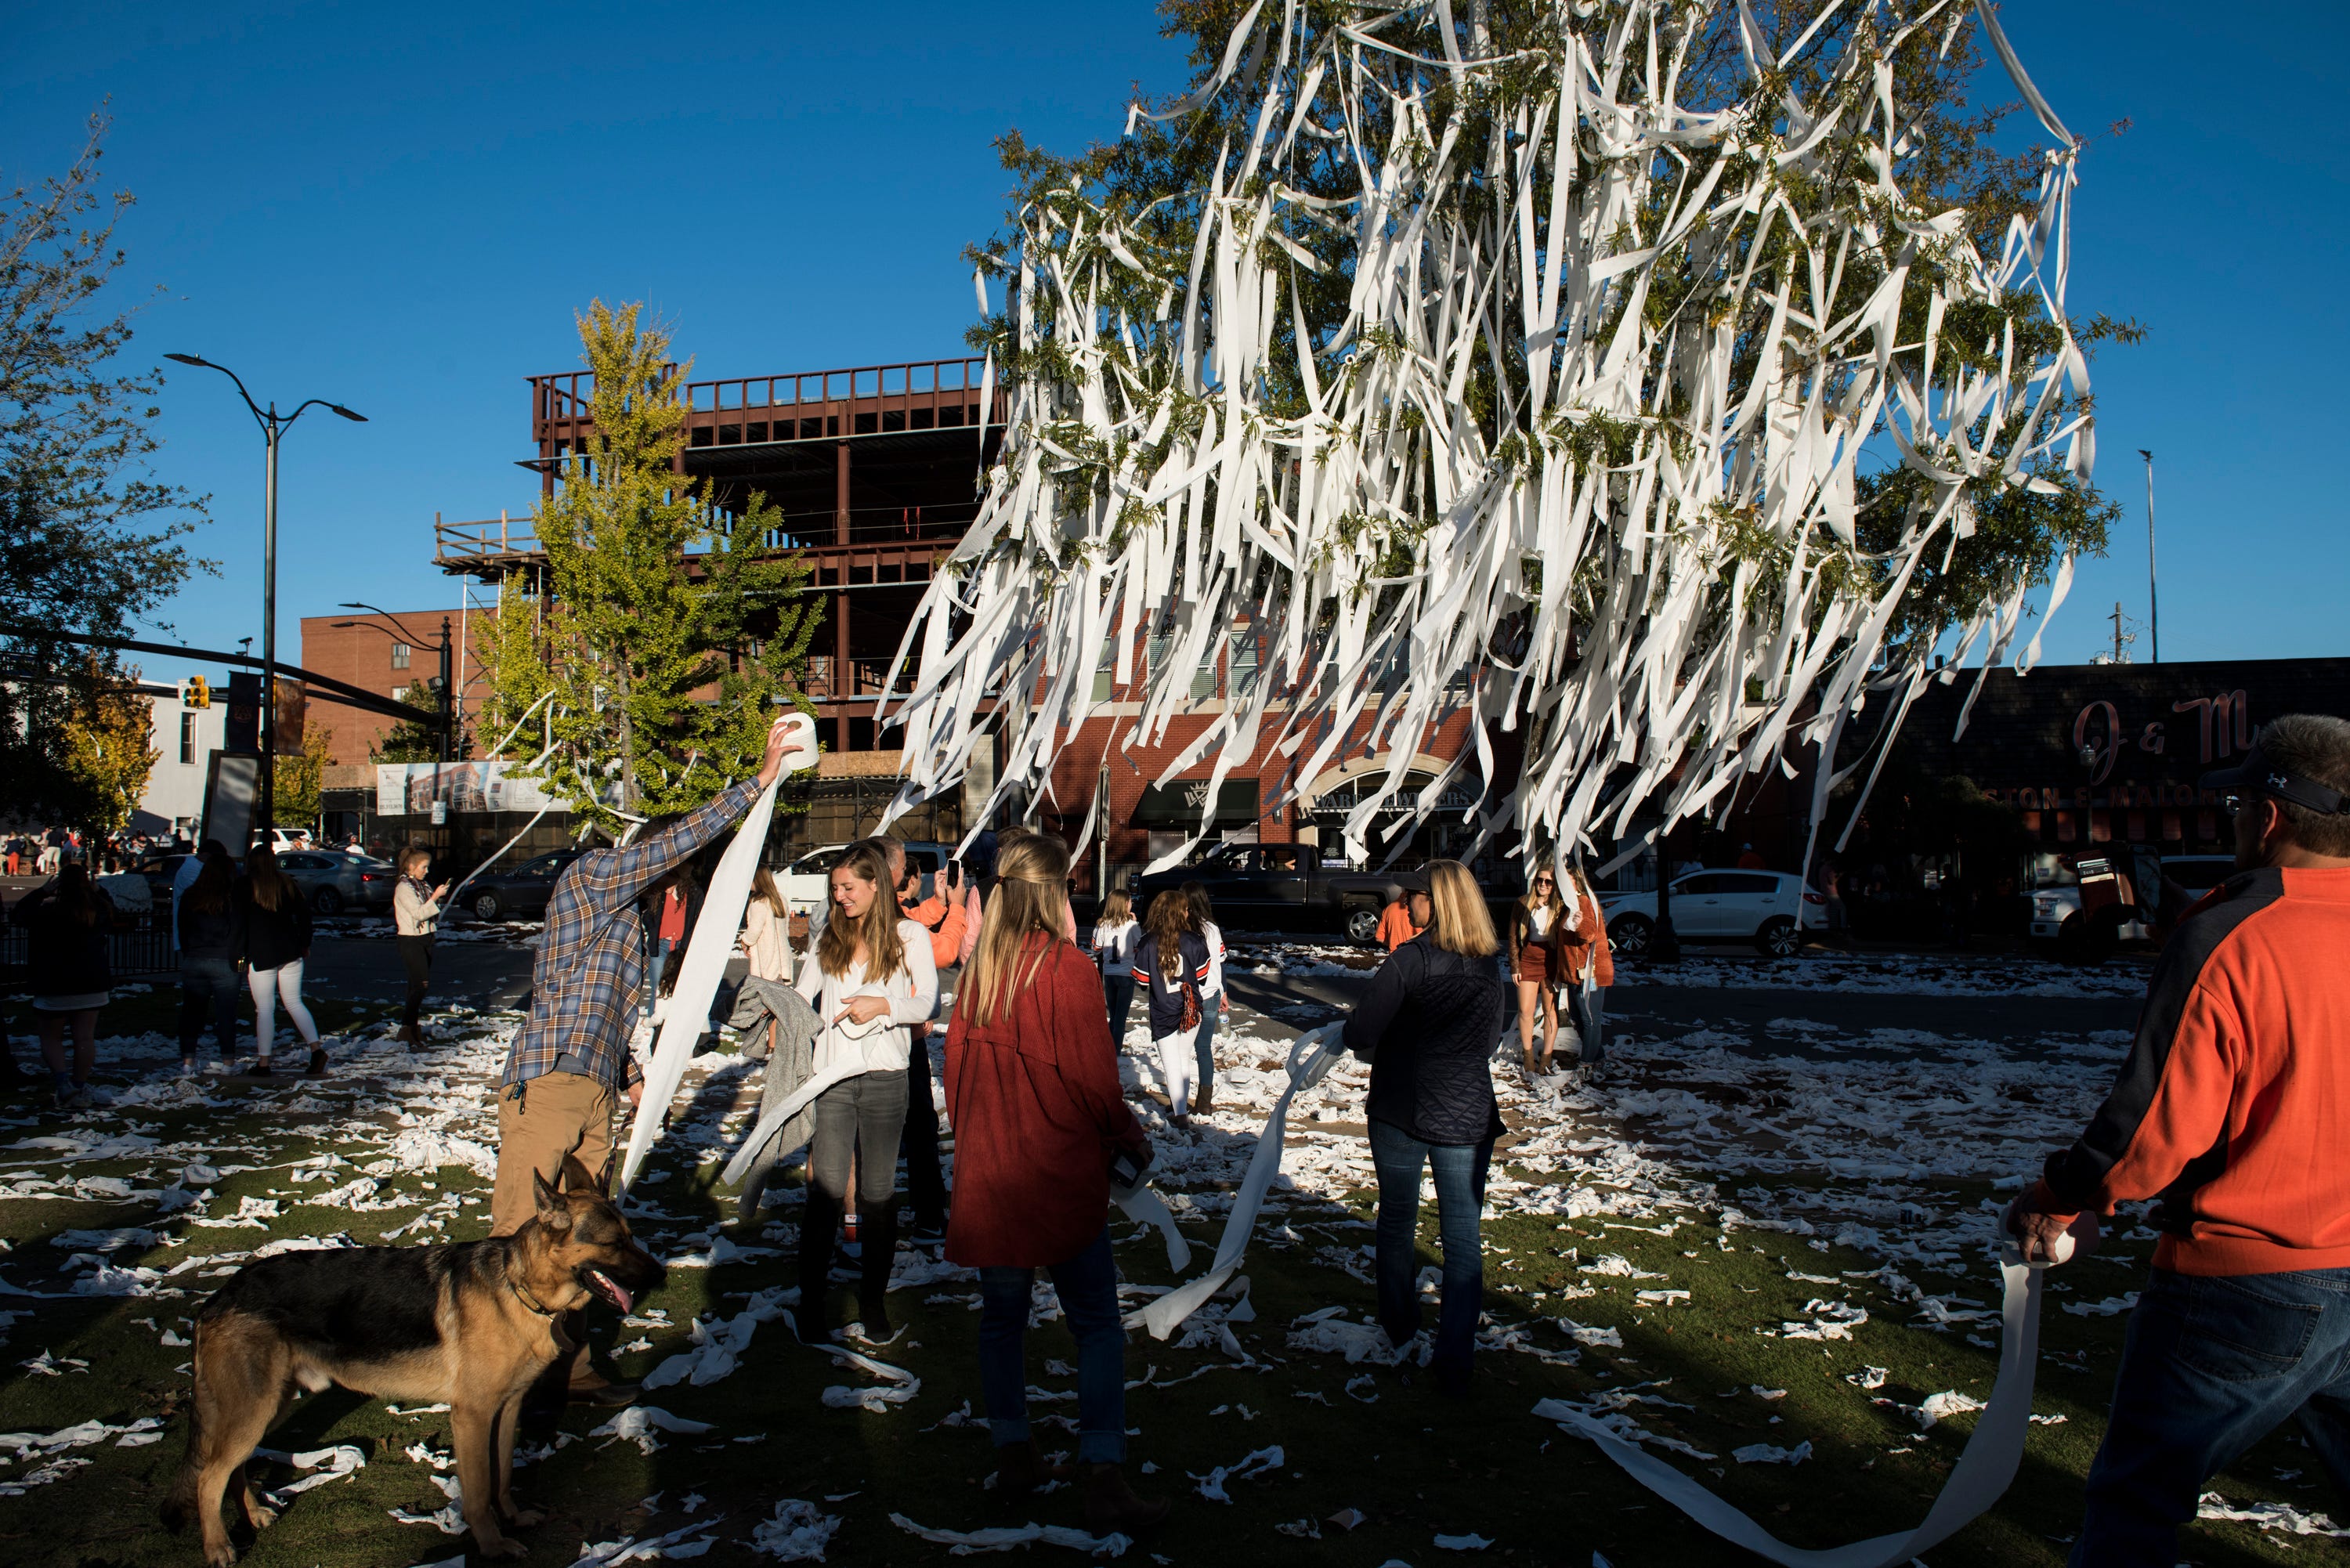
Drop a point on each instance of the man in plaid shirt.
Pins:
(569, 1062)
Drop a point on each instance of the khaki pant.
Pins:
(555, 1114)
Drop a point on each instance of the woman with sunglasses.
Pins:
(1536, 921)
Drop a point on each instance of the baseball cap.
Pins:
(2257, 774)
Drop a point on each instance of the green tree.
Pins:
(668, 627)
(88, 540)
(301, 780)
(104, 752)
(418, 740)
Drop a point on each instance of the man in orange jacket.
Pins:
(2231, 1108)
(1403, 919)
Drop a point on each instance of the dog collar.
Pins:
(529, 1300)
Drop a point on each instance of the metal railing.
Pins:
(492, 540)
(866, 676)
(139, 946)
(810, 405)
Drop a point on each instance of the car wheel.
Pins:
(1630, 934)
(1362, 924)
(486, 907)
(1779, 938)
(326, 901)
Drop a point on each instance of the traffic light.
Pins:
(197, 693)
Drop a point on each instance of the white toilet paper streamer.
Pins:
(1984, 1468)
(707, 949)
(1310, 1057)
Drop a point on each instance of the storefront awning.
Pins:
(1178, 804)
(1334, 806)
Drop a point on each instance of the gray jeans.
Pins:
(862, 1117)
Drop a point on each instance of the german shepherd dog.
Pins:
(472, 1325)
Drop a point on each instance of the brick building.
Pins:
(388, 653)
(876, 471)
(2099, 754)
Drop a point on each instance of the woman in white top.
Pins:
(870, 976)
(1114, 942)
(766, 939)
(415, 915)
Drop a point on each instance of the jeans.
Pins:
(1203, 1045)
(1584, 1009)
(416, 952)
(655, 961)
(861, 1117)
(1088, 1286)
(1460, 1169)
(2211, 1364)
(926, 1183)
(208, 985)
(1118, 990)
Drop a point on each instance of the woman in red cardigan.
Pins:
(1033, 1095)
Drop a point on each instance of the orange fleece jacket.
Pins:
(2234, 1100)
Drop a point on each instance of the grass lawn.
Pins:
(1351, 1437)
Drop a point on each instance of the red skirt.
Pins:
(1535, 963)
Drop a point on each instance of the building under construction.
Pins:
(876, 471)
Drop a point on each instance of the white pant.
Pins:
(1181, 1063)
(268, 985)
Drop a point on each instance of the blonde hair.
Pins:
(885, 952)
(1031, 895)
(1458, 918)
(1117, 909)
(411, 855)
(762, 885)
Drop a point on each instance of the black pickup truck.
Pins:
(1279, 888)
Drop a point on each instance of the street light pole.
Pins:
(2153, 610)
(446, 718)
(273, 427)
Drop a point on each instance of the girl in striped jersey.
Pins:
(1172, 959)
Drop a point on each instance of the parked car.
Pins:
(334, 883)
(282, 839)
(2094, 906)
(520, 893)
(161, 872)
(1772, 909)
(1279, 886)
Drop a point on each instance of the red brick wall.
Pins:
(360, 655)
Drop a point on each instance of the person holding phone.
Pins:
(415, 915)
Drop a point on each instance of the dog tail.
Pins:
(180, 1503)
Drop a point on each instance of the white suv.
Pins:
(1772, 909)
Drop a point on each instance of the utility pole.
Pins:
(2123, 635)
(273, 427)
(2153, 609)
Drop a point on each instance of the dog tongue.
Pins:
(615, 1289)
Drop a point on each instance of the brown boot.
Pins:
(1111, 1505)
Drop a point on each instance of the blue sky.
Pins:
(401, 211)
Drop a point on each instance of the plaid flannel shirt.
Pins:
(583, 984)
